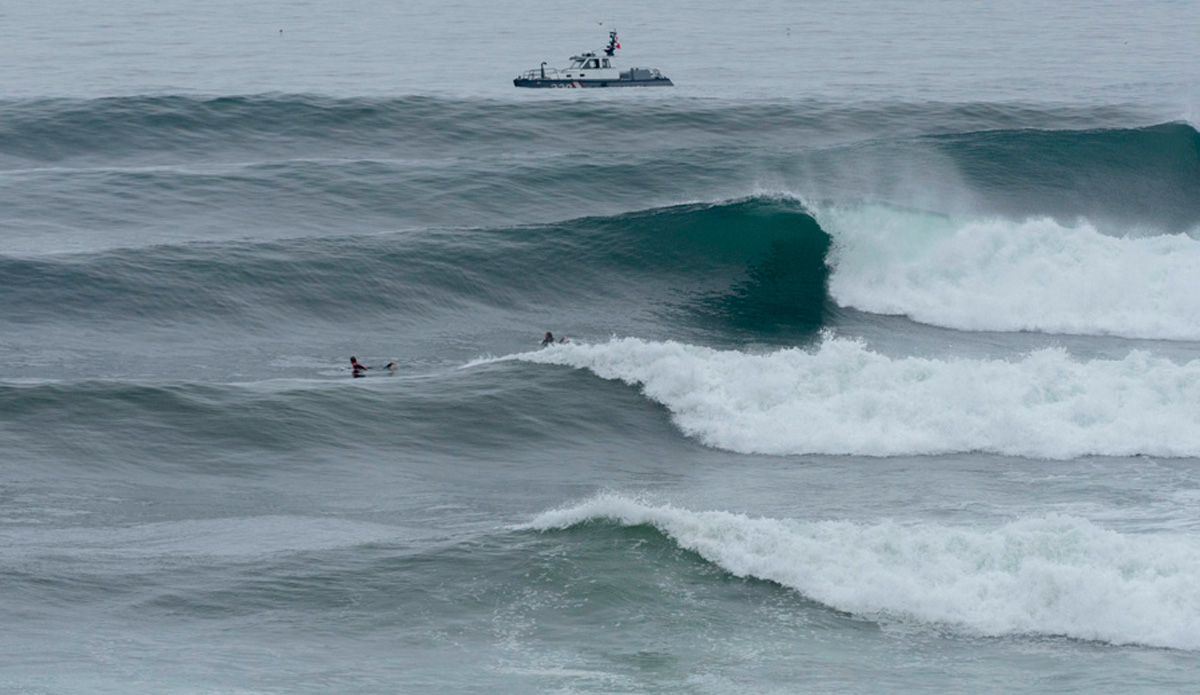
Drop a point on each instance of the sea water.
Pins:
(882, 371)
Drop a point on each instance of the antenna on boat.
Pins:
(613, 45)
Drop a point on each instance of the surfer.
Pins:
(390, 367)
(548, 340)
(357, 366)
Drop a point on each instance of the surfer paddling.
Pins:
(549, 339)
(360, 369)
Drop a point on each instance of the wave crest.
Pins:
(1053, 575)
(845, 399)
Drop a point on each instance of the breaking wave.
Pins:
(999, 275)
(1053, 575)
(843, 398)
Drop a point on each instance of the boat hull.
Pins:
(539, 83)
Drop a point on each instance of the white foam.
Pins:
(1052, 575)
(845, 399)
(998, 275)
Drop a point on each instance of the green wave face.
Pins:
(756, 264)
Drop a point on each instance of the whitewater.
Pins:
(1053, 575)
(843, 398)
(1029, 275)
(880, 370)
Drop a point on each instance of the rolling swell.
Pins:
(1147, 176)
(257, 428)
(757, 263)
(56, 130)
(126, 422)
(236, 166)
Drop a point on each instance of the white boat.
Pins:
(591, 70)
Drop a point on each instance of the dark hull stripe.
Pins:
(568, 84)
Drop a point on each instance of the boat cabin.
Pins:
(589, 61)
(591, 66)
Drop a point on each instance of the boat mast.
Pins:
(612, 43)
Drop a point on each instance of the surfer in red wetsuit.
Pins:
(357, 367)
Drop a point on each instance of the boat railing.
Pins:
(630, 75)
(541, 74)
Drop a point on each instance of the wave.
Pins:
(252, 537)
(1147, 175)
(843, 398)
(751, 267)
(753, 263)
(963, 272)
(250, 429)
(57, 130)
(60, 210)
(1053, 575)
(1001, 275)
(1015, 160)
(169, 422)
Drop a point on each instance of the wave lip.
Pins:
(1053, 575)
(843, 398)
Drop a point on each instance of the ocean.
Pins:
(882, 370)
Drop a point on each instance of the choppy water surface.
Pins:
(882, 367)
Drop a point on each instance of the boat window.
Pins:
(593, 63)
(606, 63)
